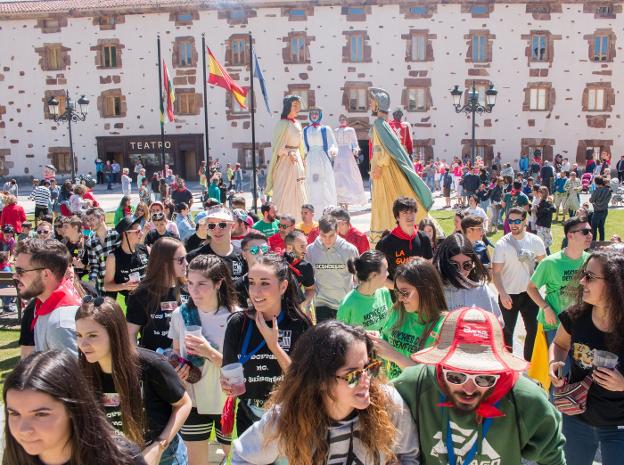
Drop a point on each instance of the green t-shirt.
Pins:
(406, 339)
(555, 272)
(268, 229)
(368, 311)
(530, 427)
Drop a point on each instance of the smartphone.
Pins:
(560, 372)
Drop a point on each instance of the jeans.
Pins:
(175, 454)
(109, 181)
(582, 441)
(598, 224)
(523, 304)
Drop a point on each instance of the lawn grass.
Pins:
(9, 352)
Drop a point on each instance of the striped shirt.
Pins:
(41, 195)
(97, 253)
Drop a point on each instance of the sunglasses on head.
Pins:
(97, 301)
(284, 226)
(212, 226)
(589, 276)
(466, 266)
(256, 249)
(353, 377)
(583, 231)
(458, 378)
(518, 221)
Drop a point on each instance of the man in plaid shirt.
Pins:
(99, 245)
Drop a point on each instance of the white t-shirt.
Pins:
(477, 211)
(206, 394)
(516, 274)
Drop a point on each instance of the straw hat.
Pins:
(471, 340)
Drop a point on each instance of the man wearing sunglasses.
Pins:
(556, 271)
(219, 223)
(515, 256)
(276, 241)
(40, 267)
(470, 403)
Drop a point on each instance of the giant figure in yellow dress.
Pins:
(392, 171)
(286, 181)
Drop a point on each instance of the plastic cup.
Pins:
(134, 277)
(193, 330)
(605, 359)
(233, 374)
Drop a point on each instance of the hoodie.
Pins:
(600, 198)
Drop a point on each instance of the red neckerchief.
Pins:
(398, 232)
(292, 266)
(63, 296)
(315, 125)
(486, 408)
(515, 192)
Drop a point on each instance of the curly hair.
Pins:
(320, 353)
(612, 262)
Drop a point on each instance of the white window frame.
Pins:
(538, 98)
(419, 46)
(596, 99)
(358, 99)
(417, 95)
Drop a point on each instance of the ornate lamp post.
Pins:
(71, 114)
(473, 106)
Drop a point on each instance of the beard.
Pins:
(36, 288)
(467, 403)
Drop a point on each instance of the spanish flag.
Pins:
(219, 77)
(169, 94)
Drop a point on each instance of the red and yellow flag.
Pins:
(169, 93)
(219, 77)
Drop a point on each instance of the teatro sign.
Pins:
(147, 145)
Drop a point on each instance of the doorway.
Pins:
(189, 161)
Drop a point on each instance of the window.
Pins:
(539, 47)
(417, 99)
(239, 50)
(109, 56)
(479, 48)
(481, 88)
(112, 105)
(54, 58)
(356, 46)
(185, 54)
(538, 98)
(62, 100)
(356, 11)
(51, 24)
(62, 161)
(419, 47)
(107, 21)
(235, 106)
(418, 10)
(238, 15)
(304, 96)
(601, 47)
(185, 103)
(479, 10)
(297, 12)
(184, 17)
(480, 151)
(595, 99)
(298, 49)
(358, 99)
(604, 11)
(533, 148)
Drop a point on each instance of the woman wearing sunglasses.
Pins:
(464, 278)
(138, 389)
(50, 419)
(331, 397)
(160, 292)
(159, 221)
(592, 333)
(262, 338)
(414, 321)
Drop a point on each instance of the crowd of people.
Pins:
(295, 336)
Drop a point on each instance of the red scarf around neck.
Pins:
(63, 296)
(398, 232)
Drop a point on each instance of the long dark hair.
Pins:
(424, 277)
(215, 269)
(453, 245)
(160, 273)
(290, 300)
(57, 374)
(126, 369)
(287, 106)
(318, 355)
(612, 262)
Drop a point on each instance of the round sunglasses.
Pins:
(256, 249)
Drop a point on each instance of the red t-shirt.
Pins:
(277, 244)
(358, 239)
(14, 215)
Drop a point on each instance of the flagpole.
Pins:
(252, 109)
(162, 109)
(207, 152)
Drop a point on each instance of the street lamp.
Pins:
(473, 106)
(71, 114)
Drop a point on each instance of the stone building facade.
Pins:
(557, 67)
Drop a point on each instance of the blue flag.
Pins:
(260, 77)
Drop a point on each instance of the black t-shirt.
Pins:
(194, 242)
(398, 251)
(161, 387)
(123, 446)
(179, 196)
(235, 261)
(604, 407)
(154, 235)
(262, 370)
(126, 263)
(154, 322)
(27, 335)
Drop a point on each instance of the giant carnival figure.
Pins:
(349, 184)
(321, 149)
(392, 172)
(402, 129)
(286, 179)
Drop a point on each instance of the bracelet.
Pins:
(162, 443)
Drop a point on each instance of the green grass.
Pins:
(9, 352)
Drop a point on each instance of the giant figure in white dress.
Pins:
(349, 184)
